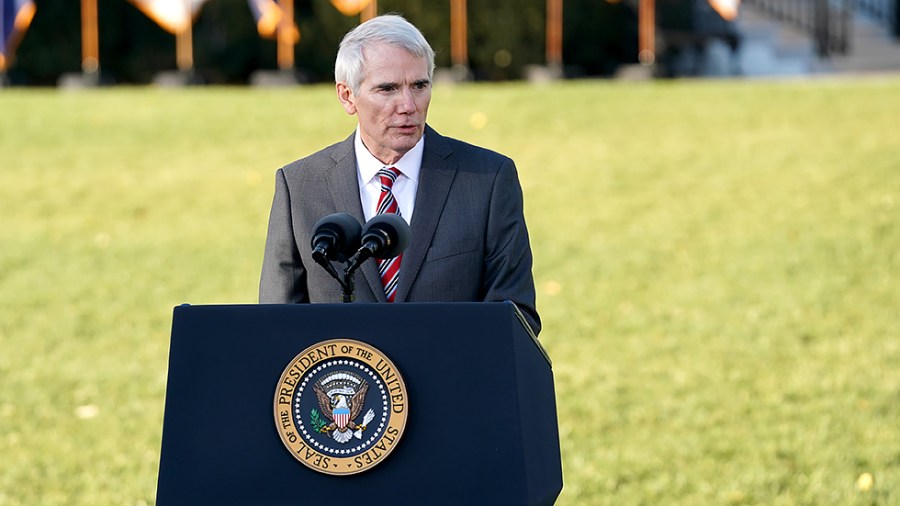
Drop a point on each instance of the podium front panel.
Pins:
(463, 365)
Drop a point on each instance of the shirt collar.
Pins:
(367, 165)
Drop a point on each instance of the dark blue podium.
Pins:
(481, 428)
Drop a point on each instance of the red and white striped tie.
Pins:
(389, 269)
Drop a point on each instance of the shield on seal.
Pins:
(341, 417)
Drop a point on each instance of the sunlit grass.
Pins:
(717, 268)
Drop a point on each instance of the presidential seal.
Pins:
(340, 407)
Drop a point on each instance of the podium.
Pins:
(481, 426)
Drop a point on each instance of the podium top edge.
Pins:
(515, 309)
(530, 332)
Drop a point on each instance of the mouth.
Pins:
(407, 128)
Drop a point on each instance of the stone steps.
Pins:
(872, 49)
(773, 48)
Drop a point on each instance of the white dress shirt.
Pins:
(405, 186)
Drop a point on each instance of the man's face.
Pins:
(392, 101)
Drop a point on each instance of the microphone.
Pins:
(335, 237)
(384, 236)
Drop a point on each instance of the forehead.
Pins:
(383, 61)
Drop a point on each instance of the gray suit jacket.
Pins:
(468, 238)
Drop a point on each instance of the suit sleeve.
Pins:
(283, 277)
(508, 259)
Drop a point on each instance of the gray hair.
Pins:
(389, 29)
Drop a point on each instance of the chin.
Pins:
(407, 142)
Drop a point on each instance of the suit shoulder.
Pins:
(467, 150)
(322, 159)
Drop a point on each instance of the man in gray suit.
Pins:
(463, 203)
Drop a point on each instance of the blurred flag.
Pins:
(267, 14)
(350, 7)
(174, 16)
(15, 16)
(728, 9)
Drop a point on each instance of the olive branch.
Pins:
(316, 421)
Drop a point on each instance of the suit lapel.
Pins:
(344, 187)
(435, 179)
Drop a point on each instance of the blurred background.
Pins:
(711, 189)
(84, 42)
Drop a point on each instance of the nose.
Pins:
(405, 102)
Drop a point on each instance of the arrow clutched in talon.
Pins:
(366, 419)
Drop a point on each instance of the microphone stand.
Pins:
(363, 254)
(346, 282)
(347, 286)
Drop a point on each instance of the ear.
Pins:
(347, 98)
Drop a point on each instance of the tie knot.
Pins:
(388, 175)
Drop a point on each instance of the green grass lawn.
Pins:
(718, 270)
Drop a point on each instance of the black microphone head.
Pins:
(337, 236)
(387, 234)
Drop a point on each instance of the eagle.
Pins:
(341, 409)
